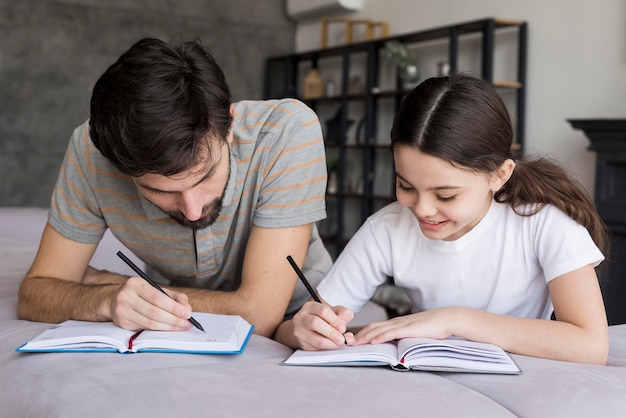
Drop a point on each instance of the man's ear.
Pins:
(502, 174)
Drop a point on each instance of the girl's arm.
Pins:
(580, 333)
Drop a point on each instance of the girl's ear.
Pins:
(502, 175)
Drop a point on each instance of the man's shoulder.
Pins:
(81, 142)
(86, 162)
(80, 136)
(274, 124)
(273, 114)
(285, 105)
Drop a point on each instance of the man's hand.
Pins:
(138, 305)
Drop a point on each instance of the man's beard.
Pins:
(212, 211)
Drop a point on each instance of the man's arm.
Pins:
(60, 285)
(267, 280)
(54, 288)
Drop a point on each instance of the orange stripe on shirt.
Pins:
(70, 202)
(262, 123)
(298, 167)
(124, 214)
(294, 186)
(86, 146)
(89, 148)
(150, 249)
(114, 193)
(77, 167)
(312, 122)
(276, 107)
(297, 203)
(74, 222)
(295, 148)
(160, 238)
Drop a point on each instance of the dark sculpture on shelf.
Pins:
(334, 134)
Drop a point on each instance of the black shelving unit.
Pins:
(607, 139)
(284, 77)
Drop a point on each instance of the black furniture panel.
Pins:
(608, 140)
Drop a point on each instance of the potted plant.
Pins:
(406, 61)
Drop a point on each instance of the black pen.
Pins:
(152, 283)
(307, 284)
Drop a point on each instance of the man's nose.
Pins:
(190, 205)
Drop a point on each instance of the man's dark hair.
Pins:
(156, 109)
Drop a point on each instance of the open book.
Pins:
(224, 334)
(449, 355)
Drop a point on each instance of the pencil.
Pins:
(307, 284)
(152, 283)
(303, 279)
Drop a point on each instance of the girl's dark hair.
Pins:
(156, 109)
(464, 121)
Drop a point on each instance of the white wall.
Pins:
(576, 61)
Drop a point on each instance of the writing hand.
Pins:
(318, 326)
(138, 305)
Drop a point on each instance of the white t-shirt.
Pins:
(502, 265)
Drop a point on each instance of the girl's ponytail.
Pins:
(542, 181)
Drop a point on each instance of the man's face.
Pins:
(194, 197)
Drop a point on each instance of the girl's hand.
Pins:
(318, 326)
(435, 324)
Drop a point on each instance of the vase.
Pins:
(409, 74)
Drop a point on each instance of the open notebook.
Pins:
(449, 355)
(224, 334)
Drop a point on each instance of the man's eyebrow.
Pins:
(443, 187)
(208, 174)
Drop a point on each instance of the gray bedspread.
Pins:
(254, 384)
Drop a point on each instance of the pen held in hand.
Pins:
(307, 284)
(152, 283)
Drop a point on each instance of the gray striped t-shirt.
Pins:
(277, 180)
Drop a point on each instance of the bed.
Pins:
(256, 384)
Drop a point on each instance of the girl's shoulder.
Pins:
(538, 217)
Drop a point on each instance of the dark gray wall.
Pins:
(52, 52)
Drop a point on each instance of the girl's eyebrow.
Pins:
(443, 187)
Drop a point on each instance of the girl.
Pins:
(487, 248)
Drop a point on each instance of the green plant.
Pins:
(400, 54)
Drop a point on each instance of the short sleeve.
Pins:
(293, 167)
(74, 211)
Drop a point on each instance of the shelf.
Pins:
(397, 92)
(378, 98)
(507, 84)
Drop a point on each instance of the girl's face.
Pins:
(446, 200)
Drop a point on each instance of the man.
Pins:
(211, 195)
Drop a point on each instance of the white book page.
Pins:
(222, 332)
(454, 353)
(381, 353)
(82, 334)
